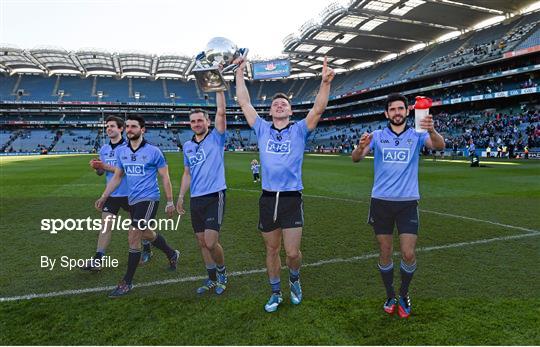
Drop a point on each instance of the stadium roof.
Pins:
(91, 62)
(352, 36)
(370, 30)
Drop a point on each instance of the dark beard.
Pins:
(396, 123)
(134, 137)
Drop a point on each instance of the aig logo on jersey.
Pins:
(278, 147)
(111, 162)
(396, 155)
(134, 169)
(198, 158)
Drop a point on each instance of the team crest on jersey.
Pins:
(278, 147)
(198, 158)
(396, 155)
(111, 154)
(134, 169)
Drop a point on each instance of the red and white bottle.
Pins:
(421, 110)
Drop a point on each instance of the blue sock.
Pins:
(387, 274)
(221, 269)
(275, 283)
(294, 275)
(211, 269)
(407, 272)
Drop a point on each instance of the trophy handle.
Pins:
(196, 61)
(242, 53)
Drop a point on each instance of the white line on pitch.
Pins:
(257, 271)
(421, 210)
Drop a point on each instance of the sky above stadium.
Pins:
(156, 26)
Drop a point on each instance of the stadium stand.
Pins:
(484, 83)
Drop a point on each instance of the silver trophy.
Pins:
(206, 65)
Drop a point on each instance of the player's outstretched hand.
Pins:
(97, 164)
(427, 123)
(365, 140)
(241, 62)
(328, 74)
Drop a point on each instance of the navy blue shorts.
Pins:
(384, 214)
(207, 211)
(284, 211)
(142, 212)
(113, 204)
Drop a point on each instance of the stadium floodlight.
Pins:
(169, 75)
(27, 70)
(136, 74)
(489, 22)
(448, 36)
(305, 48)
(325, 35)
(341, 61)
(100, 73)
(406, 7)
(532, 7)
(324, 49)
(389, 57)
(372, 24)
(64, 72)
(350, 21)
(172, 95)
(137, 95)
(363, 65)
(344, 38)
(380, 5)
(416, 47)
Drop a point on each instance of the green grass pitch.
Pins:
(477, 280)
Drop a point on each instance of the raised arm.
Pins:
(220, 121)
(242, 94)
(321, 100)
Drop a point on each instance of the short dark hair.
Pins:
(281, 96)
(395, 97)
(119, 121)
(138, 118)
(199, 110)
